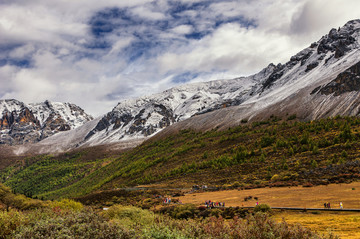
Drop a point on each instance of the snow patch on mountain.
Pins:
(27, 123)
(292, 87)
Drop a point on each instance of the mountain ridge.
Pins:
(22, 123)
(296, 87)
(323, 60)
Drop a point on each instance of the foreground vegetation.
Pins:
(131, 222)
(22, 217)
(269, 153)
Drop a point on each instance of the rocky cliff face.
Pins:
(28, 123)
(346, 81)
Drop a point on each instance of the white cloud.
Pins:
(22, 51)
(119, 44)
(182, 29)
(231, 48)
(144, 12)
(318, 16)
(143, 59)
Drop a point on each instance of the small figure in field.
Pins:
(325, 205)
(328, 205)
(341, 205)
(257, 203)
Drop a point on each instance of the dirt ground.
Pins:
(313, 197)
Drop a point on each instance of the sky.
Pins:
(96, 53)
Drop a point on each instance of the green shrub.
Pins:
(291, 117)
(266, 141)
(315, 150)
(344, 154)
(67, 204)
(275, 178)
(9, 222)
(84, 224)
(184, 211)
(129, 216)
(17, 200)
(262, 208)
(314, 164)
(162, 232)
(237, 184)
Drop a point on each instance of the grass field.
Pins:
(344, 224)
(304, 197)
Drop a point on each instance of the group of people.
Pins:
(328, 206)
(167, 200)
(211, 204)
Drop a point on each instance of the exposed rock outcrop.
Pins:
(346, 81)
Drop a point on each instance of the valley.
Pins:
(274, 153)
(288, 136)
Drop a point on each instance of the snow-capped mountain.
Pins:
(320, 81)
(336, 52)
(28, 123)
(142, 117)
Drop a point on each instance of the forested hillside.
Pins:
(268, 153)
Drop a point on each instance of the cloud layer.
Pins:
(96, 53)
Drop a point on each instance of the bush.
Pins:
(266, 141)
(129, 216)
(262, 208)
(291, 117)
(84, 224)
(237, 184)
(314, 164)
(275, 178)
(67, 204)
(244, 121)
(160, 232)
(17, 201)
(184, 211)
(9, 222)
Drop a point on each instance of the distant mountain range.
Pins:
(29, 123)
(320, 81)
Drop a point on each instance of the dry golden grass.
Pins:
(313, 197)
(344, 224)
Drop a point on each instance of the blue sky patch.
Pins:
(185, 77)
(149, 35)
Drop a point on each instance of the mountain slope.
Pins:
(28, 123)
(145, 116)
(302, 86)
(319, 81)
(267, 153)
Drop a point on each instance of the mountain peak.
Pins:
(355, 24)
(21, 123)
